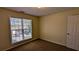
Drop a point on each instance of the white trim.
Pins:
(55, 42)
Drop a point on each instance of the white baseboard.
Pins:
(55, 42)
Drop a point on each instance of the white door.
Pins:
(73, 32)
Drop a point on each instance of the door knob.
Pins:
(67, 33)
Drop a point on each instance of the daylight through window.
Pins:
(21, 29)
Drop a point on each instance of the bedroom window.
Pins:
(21, 29)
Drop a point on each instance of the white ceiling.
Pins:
(39, 11)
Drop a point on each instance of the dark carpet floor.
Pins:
(41, 45)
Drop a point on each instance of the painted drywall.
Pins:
(53, 27)
(5, 14)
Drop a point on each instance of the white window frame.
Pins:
(23, 33)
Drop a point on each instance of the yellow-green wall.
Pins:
(5, 14)
(53, 27)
